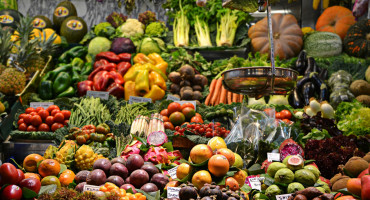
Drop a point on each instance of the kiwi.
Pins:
(197, 95)
(197, 88)
(340, 183)
(175, 77)
(184, 83)
(356, 165)
(367, 157)
(187, 72)
(365, 99)
(187, 95)
(174, 88)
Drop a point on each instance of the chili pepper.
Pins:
(142, 82)
(46, 89)
(100, 62)
(86, 69)
(129, 89)
(125, 57)
(83, 87)
(61, 82)
(117, 77)
(142, 59)
(103, 128)
(108, 55)
(101, 80)
(123, 67)
(107, 67)
(116, 90)
(89, 58)
(77, 63)
(67, 93)
(89, 128)
(155, 93)
(156, 79)
(54, 73)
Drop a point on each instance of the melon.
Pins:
(63, 10)
(41, 22)
(10, 17)
(323, 44)
(73, 29)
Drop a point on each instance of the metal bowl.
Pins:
(259, 81)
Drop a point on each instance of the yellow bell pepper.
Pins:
(129, 89)
(142, 59)
(142, 82)
(132, 73)
(156, 93)
(156, 79)
(159, 62)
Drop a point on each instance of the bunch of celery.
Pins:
(181, 29)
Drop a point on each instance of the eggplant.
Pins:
(321, 86)
(301, 82)
(323, 75)
(301, 63)
(308, 91)
(295, 100)
(311, 66)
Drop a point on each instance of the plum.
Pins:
(128, 186)
(151, 169)
(139, 177)
(118, 160)
(119, 170)
(81, 176)
(149, 187)
(160, 180)
(103, 164)
(127, 180)
(117, 180)
(96, 177)
(134, 162)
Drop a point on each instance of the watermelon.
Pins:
(8, 4)
(323, 44)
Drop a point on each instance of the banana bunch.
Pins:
(316, 4)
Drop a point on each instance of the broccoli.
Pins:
(104, 29)
(157, 29)
(147, 17)
(131, 28)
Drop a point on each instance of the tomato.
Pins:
(21, 116)
(9, 174)
(209, 134)
(33, 113)
(31, 128)
(39, 108)
(196, 119)
(187, 105)
(52, 107)
(66, 114)
(29, 110)
(201, 130)
(27, 119)
(22, 127)
(20, 175)
(164, 112)
(59, 117)
(56, 126)
(49, 120)
(20, 121)
(278, 115)
(54, 112)
(168, 125)
(12, 192)
(198, 115)
(43, 114)
(65, 123)
(286, 114)
(36, 120)
(44, 127)
(174, 107)
(166, 119)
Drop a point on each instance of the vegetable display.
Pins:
(355, 42)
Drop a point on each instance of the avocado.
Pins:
(63, 10)
(73, 29)
(41, 22)
(10, 17)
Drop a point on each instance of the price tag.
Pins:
(255, 183)
(172, 98)
(139, 100)
(45, 105)
(192, 102)
(283, 196)
(91, 188)
(172, 172)
(273, 157)
(98, 94)
(173, 192)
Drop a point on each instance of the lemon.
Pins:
(216, 143)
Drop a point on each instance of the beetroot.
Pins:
(290, 147)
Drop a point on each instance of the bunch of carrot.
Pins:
(218, 94)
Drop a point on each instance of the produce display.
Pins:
(134, 108)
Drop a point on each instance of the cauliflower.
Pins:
(104, 29)
(156, 29)
(131, 28)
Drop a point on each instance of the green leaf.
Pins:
(246, 188)
(72, 185)
(159, 166)
(306, 162)
(130, 191)
(27, 193)
(150, 196)
(168, 146)
(268, 179)
(255, 169)
(63, 168)
(50, 189)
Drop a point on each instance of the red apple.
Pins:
(9, 174)
(20, 175)
(31, 183)
(11, 192)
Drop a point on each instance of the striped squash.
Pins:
(323, 44)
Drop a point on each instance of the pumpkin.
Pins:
(357, 40)
(323, 44)
(335, 19)
(287, 36)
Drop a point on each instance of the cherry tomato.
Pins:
(278, 115)
(33, 113)
(21, 116)
(196, 119)
(36, 120)
(27, 119)
(201, 130)
(177, 128)
(187, 105)
(164, 112)
(49, 120)
(31, 128)
(59, 117)
(66, 114)
(168, 125)
(209, 134)
(54, 112)
(56, 126)
(43, 114)
(20, 121)
(39, 108)
(52, 107)
(22, 127)
(44, 127)
(29, 110)
(286, 114)
(65, 123)
(9, 174)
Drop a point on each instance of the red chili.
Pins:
(108, 55)
(125, 57)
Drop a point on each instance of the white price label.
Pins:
(172, 172)
(192, 102)
(173, 192)
(98, 94)
(91, 188)
(255, 183)
(273, 157)
(283, 196)
(134, 99)
(45, 105)
(172, 98)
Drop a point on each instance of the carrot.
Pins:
(229, 95)
(235, 97)
(211, 89)
(223, 95)
(217, 91)
(218, 99)
(241, 98)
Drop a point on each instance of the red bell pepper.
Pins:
(107, 67)
(123, 67)
(83, 87)
(116, 90)
(108, 55)
(117, 77)
(100, 62)
(101, 80)
(125, 57)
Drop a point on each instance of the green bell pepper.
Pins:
(54, 73)
(47, 76)
(61, 82)
(75, 75)
(46, 90)
(67, 93)
(87, 69)
(77, 63)
(77, 51)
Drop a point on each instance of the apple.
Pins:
(9, 174)
(20, 175)
(11, 192)
(31, 183)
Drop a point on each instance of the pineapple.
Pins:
(12, 81)
(50, 152)
(5, 47)
(66, 153)
(85, 157)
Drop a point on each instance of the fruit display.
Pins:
(176, 114)
(207, 130)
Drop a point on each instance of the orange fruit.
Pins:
(30, 162)
(240, 177)
(200, 153)
(66, 178)
(228, 154)
(177, 118)
(218, 165)
(200, 178)
(49, 167)
(183, 170)
(172, 184)
(31, 175)
(67, 171)
(347, 197)
(232, 183)
(354, 186)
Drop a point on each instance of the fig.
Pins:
(139, 177)
(117, 180)
(151, 169)
(81, 176)
(187, 72)
(160, 180)
(103, 164)
(175, 77)
(149, 187)
(128, 186)
(174, 88)
(134, 162)
(197, 88)
(80, 187)
(96, 177)
(118, 160)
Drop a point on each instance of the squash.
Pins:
(335, 19)
(323, 44)
(288, 35)
(357, 40)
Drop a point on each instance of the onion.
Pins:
(315, 105)
(299, 115)
(309, 111)
(327, 111)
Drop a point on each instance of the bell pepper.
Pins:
(77, 63)
(156, 79)
(77, 51)
(100, 62)
(155, 93)
(125, 57)
(67, 93)
(103, 128)
(153, 68)
(117, 77)
(61, 82)
(107, 67)
(101, 80)
(116, 90)
(142, 82)
(46, 90)
(83, 87)
(87, 68)
(75, 75)
(89, 58)
(54, 73)
(123, 67)
(108, 55)
(46, 76)
(129, 90)
(159, 62)
(142, 59)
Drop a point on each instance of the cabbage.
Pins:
(98, 44)
(151, 45)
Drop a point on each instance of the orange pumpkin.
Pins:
(288, 35)
(336, 19)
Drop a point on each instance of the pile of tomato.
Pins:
(41, 119)
(283, 115)
(176, 114)
(207, 130)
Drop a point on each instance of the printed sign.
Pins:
(44, 105)
(173, 192)
(273, 157)
(172, 172)
(91, 188)
(61, 11)
(192, 102)
(283, 196)
(172, 98)
(134, 99)
(6, 19)
(255, 183)
(74, 24)
(98, 94)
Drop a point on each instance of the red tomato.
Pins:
(36, 120)
(56, 126)
(49, 120)
(168, 125)
(166, 119)
(21, 116)
(286, 114)
(287, 121)
(198, 115)
(44, 127)
(196, 119)
(54, 112)
(27, 119)
(20, 175)
(12, 192)
(65, 123)
(66, 114)
(20, 121)
(29, 110)
(39, 108)
(43, 114)
(174, 107)
(9, 174)
(31, 128)
(187, 105)
(22, 127)
(59, 117)
(278, 115)
(164, 112)
(52, 107)
(33, 113)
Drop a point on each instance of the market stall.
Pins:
(194, 99)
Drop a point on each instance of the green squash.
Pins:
(323, 44)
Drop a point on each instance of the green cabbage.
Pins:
(99, 44)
